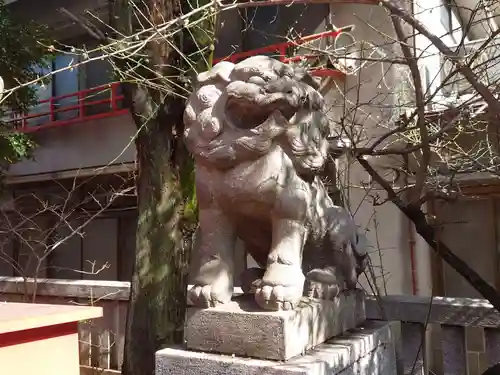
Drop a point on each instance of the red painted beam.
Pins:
(263, 3)
(37, 334)
(57, 124)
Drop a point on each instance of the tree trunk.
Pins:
(157, 300)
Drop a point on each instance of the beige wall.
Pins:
(369, 98)
(364, 109)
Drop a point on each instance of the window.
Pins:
(70, 81)
(276, 24)
(446, 16)
(44, 92)
(427, 77)
(65, 83)
(106, 243)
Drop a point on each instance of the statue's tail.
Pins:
(359, 244)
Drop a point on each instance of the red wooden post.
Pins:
(51, 109)
(114, 104)
(282, 52)
(81, 107)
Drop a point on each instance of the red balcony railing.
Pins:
(78, 106)
(280, 51)
(71, 108)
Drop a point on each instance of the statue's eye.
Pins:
(257, 80)
(268, 76)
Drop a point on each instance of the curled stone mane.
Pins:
(239, 112)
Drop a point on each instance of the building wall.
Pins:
(364, 102)
(367, 109)
(363, 106)
(47, 12)
(87, 144)
(363, 109)
(469, 228)
(367, 102)
(444, 24)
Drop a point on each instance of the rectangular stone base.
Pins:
(242, 329)
(368, 350)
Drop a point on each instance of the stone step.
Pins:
(368, 350)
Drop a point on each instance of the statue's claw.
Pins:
(208, 296)
(281, 288)
(278, 297)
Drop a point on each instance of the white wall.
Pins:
(429, 12)
(483, 20)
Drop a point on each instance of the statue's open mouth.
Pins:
(249, 105)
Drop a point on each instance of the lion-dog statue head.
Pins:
(227, 117)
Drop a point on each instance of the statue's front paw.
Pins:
(278, 297)
(208, 295)
(281, 287)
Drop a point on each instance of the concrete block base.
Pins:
(367, 350)
(242, 329)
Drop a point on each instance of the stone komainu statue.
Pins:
(258, 134)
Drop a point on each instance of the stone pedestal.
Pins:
(368, 350)
(319, 337)
(240, 328)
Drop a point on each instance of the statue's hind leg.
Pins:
(324, 283)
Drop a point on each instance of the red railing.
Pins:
(49, 118)
(281, 50)
(84, 109)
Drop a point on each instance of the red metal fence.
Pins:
(89, 104)
(280, 51)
